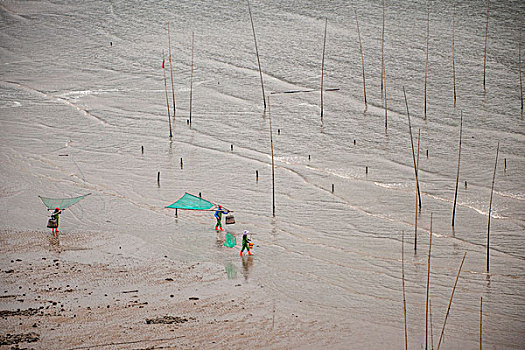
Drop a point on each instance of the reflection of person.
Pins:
(245, 242)
(55, 215)
(218, 216)
(247, 265)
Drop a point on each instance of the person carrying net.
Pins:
(53, 221)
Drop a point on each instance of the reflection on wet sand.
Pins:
(219, 242)
(247, 265)
(231, 270)
(54, 242)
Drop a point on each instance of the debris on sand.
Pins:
(166, 320)
(10, 339)
(28, 312)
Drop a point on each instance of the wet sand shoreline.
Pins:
(83, 291)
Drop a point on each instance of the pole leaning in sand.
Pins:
(413, 152)
(450, 301)
(426, 61)
(257, 54)
(486, 39)
(385, 101)
(273, 164)
(171, 71)
(431, 332)
(166, 90)
(322, 67)
(519, 69)
(403, 280)
(417, 155)
(457, 173)
(490, 207)
(480, 323)
(416, 207)
(428, 285)
(453, 57)
(362, 57)
(382, 47)
(191, 76)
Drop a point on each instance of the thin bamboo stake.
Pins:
(362, 56)
(417, 168)
(431, 333)
(519, 68)
(171, 70)
(428, 285)
(417, 157)
(415, 226)
(453, 57)
(386, 107)
(450, 301)
(490, 206)
(480, 323)
(457, 173)
(273, 164)
(257, 54)
(382, 48)
(413, 153)
(166, 90)
(403, 279)
(322, 66)
(426, 60)
(191, 77)
(486, 39)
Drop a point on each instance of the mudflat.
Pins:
(94, 290)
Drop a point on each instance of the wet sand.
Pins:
(94, 290)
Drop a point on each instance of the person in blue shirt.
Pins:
(245, 242)
(218, 216)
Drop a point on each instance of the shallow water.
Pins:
(75, 112)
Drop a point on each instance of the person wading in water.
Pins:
(218, 216)
(245, 242)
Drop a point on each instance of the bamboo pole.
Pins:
(166, 90)
(490, 206)
(457, 173)
(426, 60)
(386, 106)
(322, 66)
(273, 164)
(417, 156)
(486, 39)
(362, 56)
(417, 168)
(450, 301)
(431, 332)
(519, 68)
(453, 57)
(480, 323)
(382, 48)
(413, 155)
(257, 54)
(428, 285)
(171, 70)
(191, 77)
(403, 280)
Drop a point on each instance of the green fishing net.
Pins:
(230, 240)
(61, 203)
